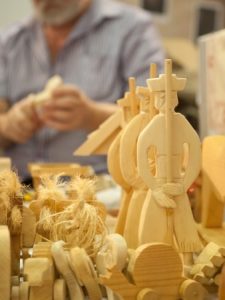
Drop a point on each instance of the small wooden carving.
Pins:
(166, 212)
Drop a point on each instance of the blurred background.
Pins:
(195, 18)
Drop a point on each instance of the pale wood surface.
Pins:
(5, 263)
(213, 187)
(168, 201)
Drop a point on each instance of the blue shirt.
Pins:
(109, 43)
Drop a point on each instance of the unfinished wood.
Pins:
(5, 263)
(99, 141)
(168, 201)
(62, 265)
(28, 228)
(24, 291)
(164, 276)
(213, 184)
(44, 96)
(216, 235)
(83, 268)
(191, 289)
(59, 289)
(15, 293)
(40, 275)
(124, 204)
(221, 293)
(211, 254)
(128, 163)
(208, 269)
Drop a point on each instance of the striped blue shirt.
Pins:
(109, 43)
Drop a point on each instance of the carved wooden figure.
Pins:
(130, 108)
(166, 213)
(128, 161)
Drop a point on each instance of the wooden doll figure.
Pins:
(166, 215)
(128, 161)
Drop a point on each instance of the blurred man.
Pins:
(94, 45)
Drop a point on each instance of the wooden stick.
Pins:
(168, 125)
(133, 98)
(5, 262)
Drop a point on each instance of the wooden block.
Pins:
(201, 278)
(5, 263)
(28, 228)
(208, 269)
(217, 279)
(211, 254)
(5, 163)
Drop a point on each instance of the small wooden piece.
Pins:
(24, 291)
(5, 263)
(62, 265)
(222, 285)
(40, 275)
(211, 254)
(191, 290)
(83, 268)
(59, 289)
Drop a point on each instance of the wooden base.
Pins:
(216, 235)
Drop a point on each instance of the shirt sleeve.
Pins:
(3, 77)
(142, 46)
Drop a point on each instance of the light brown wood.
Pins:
(216, 235)
(211, 254)
(28, 228)
(24, 291)
(151, 266)
(128, 163)
(15, 294)
(213, 188)
(40, 275)
(5, 263)
(222, 285)
(59, 289)
(62, 265)
(44, 96)
(168, 201)
(5, 163)
(99, 141)
(191, 290)
(83, 268)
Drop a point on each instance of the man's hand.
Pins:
(71, 109)
(20, 122)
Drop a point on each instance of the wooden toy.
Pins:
(38, 170)
(128, 162)
(130, 107)
(152, 282)
(5, 263)
(5, 163)
(167, 200)
(62, 265)
(44, 96)
(40, 276)
(99, 141)
(113, 254)
(60, 292)
(83, 267)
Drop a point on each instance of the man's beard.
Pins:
(56, 13)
